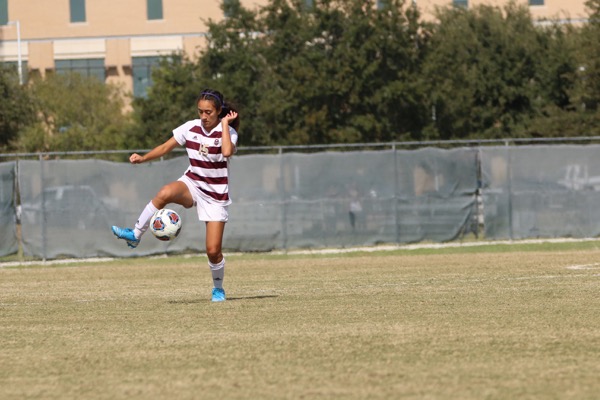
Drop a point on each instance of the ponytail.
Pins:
(225, 109)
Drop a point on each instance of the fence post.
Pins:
(18, 208)
(479, 215)
(283, 200)
(509, 188)
(396, 217)
(43, 208)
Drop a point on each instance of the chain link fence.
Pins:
(62, 204)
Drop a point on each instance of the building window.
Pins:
(155, 9)
(90, 67)
(536, 2)
(77, 8)
(142, 74)
(460, 3)
(227, 5)
(3, 12)
(381, 4)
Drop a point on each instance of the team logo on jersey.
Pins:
(216, 142)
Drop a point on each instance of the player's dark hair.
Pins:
(216, 98)
(227, 107)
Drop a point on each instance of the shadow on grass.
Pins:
(195, 301)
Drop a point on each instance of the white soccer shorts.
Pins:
(206, 211)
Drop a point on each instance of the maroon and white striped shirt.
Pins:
(209, 169)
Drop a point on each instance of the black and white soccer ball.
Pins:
(165, 224)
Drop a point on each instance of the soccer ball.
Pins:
(165, 224)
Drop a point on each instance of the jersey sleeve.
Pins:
(180, 132)
(234, 136)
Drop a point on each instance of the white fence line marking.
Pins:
(585, 266)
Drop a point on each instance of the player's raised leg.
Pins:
(174, 192)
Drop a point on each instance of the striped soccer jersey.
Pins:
(208, 169)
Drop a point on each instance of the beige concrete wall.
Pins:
(79, 48)
(41, 57)
(49, 19)
(115, 30)
(42, 19)
(118, 52)
(193, 45)
(9, 50)
(118, 64)
(561, 9)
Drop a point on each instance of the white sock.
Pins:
(143, 221)
(218, 273)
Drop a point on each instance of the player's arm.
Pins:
(156, 152)
(227, 146)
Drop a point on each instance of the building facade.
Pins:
(120, 41)
(562, 10)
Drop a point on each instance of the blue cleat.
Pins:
(218, 294)
(127, 235)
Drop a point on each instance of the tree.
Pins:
(170, 102)
(228, 64)
(16, 108)
(330, 72)
(75, 113)
(572, 76)
(561, 111)
(484, 70)
(589, 59)
(344, 71)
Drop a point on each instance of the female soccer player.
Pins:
(210, 142)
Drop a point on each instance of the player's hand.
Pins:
(136, 159)
(231, 115)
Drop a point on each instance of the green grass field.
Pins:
(493, 322)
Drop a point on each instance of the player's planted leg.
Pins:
(218, 274)
(216, 260)
(218, 294)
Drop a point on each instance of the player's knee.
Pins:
(165, 195)
(214, 254)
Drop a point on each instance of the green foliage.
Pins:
(16, 107)
(557, 122)
(331, 71)
(170, 102)
(74, 113)
(346, 77)
(589, 57)
(483, 71)
(572, 65)
(343, 72)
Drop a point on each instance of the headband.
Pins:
(213, 95)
